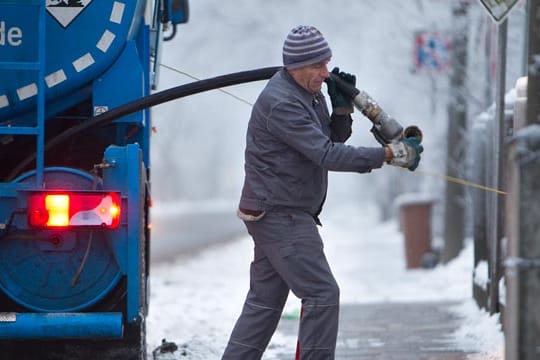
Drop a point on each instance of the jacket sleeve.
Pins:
(292, 124)
(341, 126)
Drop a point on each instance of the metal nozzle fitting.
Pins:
(411, 131)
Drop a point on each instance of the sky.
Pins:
(197, 154)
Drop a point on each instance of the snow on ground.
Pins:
(196, 299)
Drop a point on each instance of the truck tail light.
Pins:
(71, 209)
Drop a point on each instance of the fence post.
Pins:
(522, 317)
(479, 171)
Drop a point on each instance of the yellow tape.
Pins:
(460, 181)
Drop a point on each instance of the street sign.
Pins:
(431, 51)
(499, 9)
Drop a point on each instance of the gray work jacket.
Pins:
(291, 144)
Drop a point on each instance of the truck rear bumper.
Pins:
(60, 325)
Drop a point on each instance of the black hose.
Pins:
(152, 100)
(170, 36)
(344, 87)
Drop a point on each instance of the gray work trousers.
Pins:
(288, 255)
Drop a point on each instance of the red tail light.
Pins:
(67, 209)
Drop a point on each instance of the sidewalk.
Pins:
(392, 331)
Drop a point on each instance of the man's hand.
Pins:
(341, 104)
(406, 152)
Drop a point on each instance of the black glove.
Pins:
(341, 104)
(406, 152)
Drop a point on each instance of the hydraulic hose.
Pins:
(385, 128)
(149, 101)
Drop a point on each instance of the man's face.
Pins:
(311, 77)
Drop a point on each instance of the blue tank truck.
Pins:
(74, 219)
(75, 91)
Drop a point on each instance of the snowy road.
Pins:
(185, 227)
(195, 299)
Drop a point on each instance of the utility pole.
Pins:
(454, 224)
(495, 200)
(522, 318)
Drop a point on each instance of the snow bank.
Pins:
(196, 300)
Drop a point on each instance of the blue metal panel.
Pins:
(126, 175)
(130, 79)
(19, 65)
(24, 42)
(135, 231)
(55, 169)
(122, 83)
(19, 130)
(19, 25)
(21, 2)
(143, 45)
(79, 49)
(11, 189)
(40, 112)
(39, 270)
(60, 325)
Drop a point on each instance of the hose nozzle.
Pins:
(385, 129)
(411, 131)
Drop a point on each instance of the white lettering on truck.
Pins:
(11, 36)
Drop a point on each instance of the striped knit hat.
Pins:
(304, 45)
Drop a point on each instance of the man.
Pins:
(292, 142)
